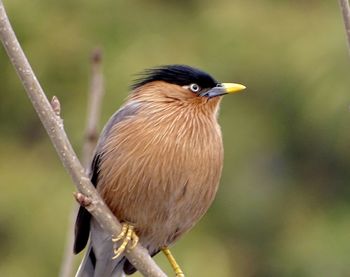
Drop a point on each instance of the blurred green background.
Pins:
(283, 208)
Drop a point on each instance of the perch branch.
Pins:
(138, 256)
(345, 9)
(68, 256)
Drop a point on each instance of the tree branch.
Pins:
(68, 256)
(138, 256)
(345, 9)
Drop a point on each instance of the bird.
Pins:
(157, 165)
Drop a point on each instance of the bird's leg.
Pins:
(128, 235)
(173, 263)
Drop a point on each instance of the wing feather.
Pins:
(82, 224)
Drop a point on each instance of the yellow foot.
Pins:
(173, 263)
(127, 235)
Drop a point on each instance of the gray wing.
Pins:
(82, 224)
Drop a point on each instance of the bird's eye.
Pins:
(195, 88)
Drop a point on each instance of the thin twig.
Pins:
(96, 92)
(94, 107)
(66, 269)
(345, 8)
(138, 256)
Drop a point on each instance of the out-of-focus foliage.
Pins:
(283, 208)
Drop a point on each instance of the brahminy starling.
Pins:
(157, 165)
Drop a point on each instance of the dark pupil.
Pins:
(194, 87)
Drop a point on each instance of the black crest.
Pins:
(175, 74)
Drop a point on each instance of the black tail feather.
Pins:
(82, 230)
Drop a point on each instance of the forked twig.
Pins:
(138, 256)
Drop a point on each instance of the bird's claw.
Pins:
(128, 235)
(122, 233)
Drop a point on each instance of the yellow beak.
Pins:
(232, 87)
(222, 89)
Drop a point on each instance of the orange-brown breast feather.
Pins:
(160, 168)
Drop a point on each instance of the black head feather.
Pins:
(181, 75)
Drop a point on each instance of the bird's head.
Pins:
(181, 85)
